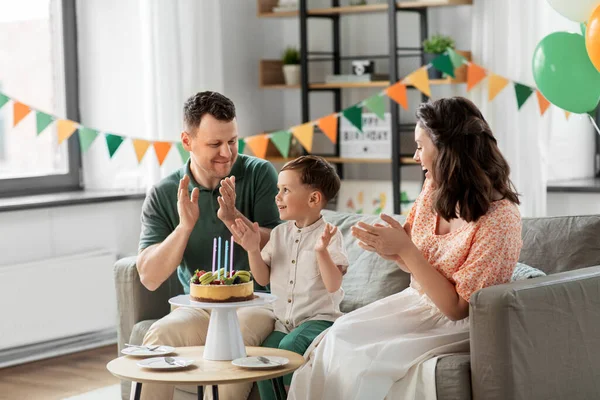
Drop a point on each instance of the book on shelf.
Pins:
(351, 78)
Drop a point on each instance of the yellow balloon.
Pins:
(592, 38)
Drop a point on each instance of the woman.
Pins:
(462, 234)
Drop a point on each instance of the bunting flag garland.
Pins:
(329, 127)
(113, 142)
(42, 120)
(141, 147)
(86, 138)
(282, 141)
(162, 149)
(376, 104)
(304, 133)
(65, 129)
(496, 84)
(522, 92)
(20, 111)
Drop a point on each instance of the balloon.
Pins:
(592, 38)
(575, 10)
(564, 73)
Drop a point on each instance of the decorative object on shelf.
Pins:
(291, 66)
(358, 2)
(432, 48)
(352, 78)
(373, 141)
(286, 5)
(377, 199)
(361, 67)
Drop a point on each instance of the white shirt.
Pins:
(296, 277)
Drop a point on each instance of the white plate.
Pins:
(255, 363)
(160, 363)
(137, 352)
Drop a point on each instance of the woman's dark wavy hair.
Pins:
(469, 166)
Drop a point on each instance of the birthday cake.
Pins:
(221, 286)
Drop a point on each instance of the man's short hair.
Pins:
(202, 103)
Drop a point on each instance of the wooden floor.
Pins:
(60, 377)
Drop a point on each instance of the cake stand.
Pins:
(224, 338)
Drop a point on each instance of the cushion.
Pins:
(369, 277)
(524, 271)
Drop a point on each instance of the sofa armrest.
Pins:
(135, 303)
(537, 338)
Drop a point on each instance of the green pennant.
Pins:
(3, 100)
(456, 59)
(444, 63)
(377, 105)
(282, 140)
(354, 115)
(241, 145)
(183, 153)
(86, 138)
(113, 142)
(523, 92)
(42, 121)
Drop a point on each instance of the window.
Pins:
(38, 67)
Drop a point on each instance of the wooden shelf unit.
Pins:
(265, 8)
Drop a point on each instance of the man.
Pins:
(186, 210)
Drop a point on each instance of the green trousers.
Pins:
(297, 341)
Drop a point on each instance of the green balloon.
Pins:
(564, 73)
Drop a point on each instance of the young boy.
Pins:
(303, 261)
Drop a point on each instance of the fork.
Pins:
(172, 361)
(265, 360)
(149, 348)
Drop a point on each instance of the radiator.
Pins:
(56, 306)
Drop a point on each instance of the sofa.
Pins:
(530, 339)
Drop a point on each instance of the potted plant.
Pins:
(433, 47)
(291, 66)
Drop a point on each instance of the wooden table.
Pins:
(205, 372)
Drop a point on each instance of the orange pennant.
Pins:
(329, 127)
(496, 84)
(420, 80)
(475, 74)
(258, 144)
(567, 114)
(65, 129)
(140, 146)
(20, 111)
(397, 92)
(304, 133)
(542, 102)
(161, 149)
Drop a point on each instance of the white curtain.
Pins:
(504, 37)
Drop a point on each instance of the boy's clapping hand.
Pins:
(245, 236)
(325, 238)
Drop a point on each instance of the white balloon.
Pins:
(575, 10)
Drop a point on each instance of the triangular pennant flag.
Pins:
(282, 140)
(456, 59)
(42, 120)
(140, 146)
(113, 142)
(354, 115)
(444, 64)
(258, 144)
(397, 92)
(377, 105)
(3, 100)
(495, 85)
(420, 80)
(304, 133)
(183, 153)
(329, 127)
(567, 114)
(542, 102)
(86, 138)
(475, 74)
(522, 92)
(241, 145)
(65, 128)
(20, 111)
(162, 149)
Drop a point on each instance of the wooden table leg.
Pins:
(136, 390)
(215, 390)
(279, 388)
(200, 392)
